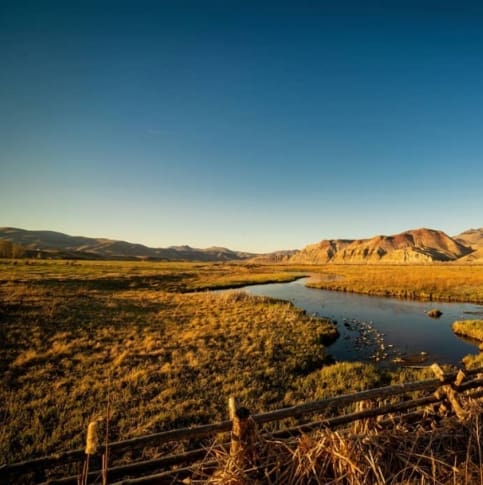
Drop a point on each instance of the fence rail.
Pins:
(444, 387)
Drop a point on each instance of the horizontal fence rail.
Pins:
(441, 388)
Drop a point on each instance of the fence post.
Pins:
(438, 372)
(449, 391)
(232, 407)
(460, 377)
(243, 436)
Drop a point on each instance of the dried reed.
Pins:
(436, 450)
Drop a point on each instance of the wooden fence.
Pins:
(448, 388)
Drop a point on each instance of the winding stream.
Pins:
(381, 329)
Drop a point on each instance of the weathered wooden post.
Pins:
(449, 391)
(231, 407)
(460, 377)
(438, 372)
(243, 436)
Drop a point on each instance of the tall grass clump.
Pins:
(472, 329)
(438, 450)
(469, 328)
(435, 282)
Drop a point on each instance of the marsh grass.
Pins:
(166, 276)
(431, 452)
(172, 359)
(469, 328)
(146, 337)
(473, 329)
(436, 282)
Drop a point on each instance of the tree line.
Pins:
(8, 249)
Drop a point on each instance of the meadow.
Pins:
(148, 339)
(77, 335)
(435, 282)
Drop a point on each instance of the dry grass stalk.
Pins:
(440, 451)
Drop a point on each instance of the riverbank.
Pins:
(380, 329)
(469, 328)
(472, 329)
(437, 282)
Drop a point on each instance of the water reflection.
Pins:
(381, 329)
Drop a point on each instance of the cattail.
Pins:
(92, 438)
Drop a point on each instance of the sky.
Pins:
(254, 125)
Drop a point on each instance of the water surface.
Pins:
(380, 328)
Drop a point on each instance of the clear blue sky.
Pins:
(254, 125)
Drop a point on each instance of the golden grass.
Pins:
(437, 282)
(473, 361)
(472, 329)
(469, 328)
(167, 353)
(437, 450)
(166, 359)
(167, 276)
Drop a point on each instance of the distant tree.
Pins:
(8, 249)
(18, 251)
(5, 248)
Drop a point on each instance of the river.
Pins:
(381, 329)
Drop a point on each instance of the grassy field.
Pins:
(73, 335)
(165, 353)
(437, 282)
(171, 276)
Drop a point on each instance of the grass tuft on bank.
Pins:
(469, 328)
(472, 329)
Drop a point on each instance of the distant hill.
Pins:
(276, 257)
(471, 237)
(414, 246)
(474, 239)
(59, 245)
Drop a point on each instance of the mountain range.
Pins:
(474, 239)
(51, 244)
(413, 246)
